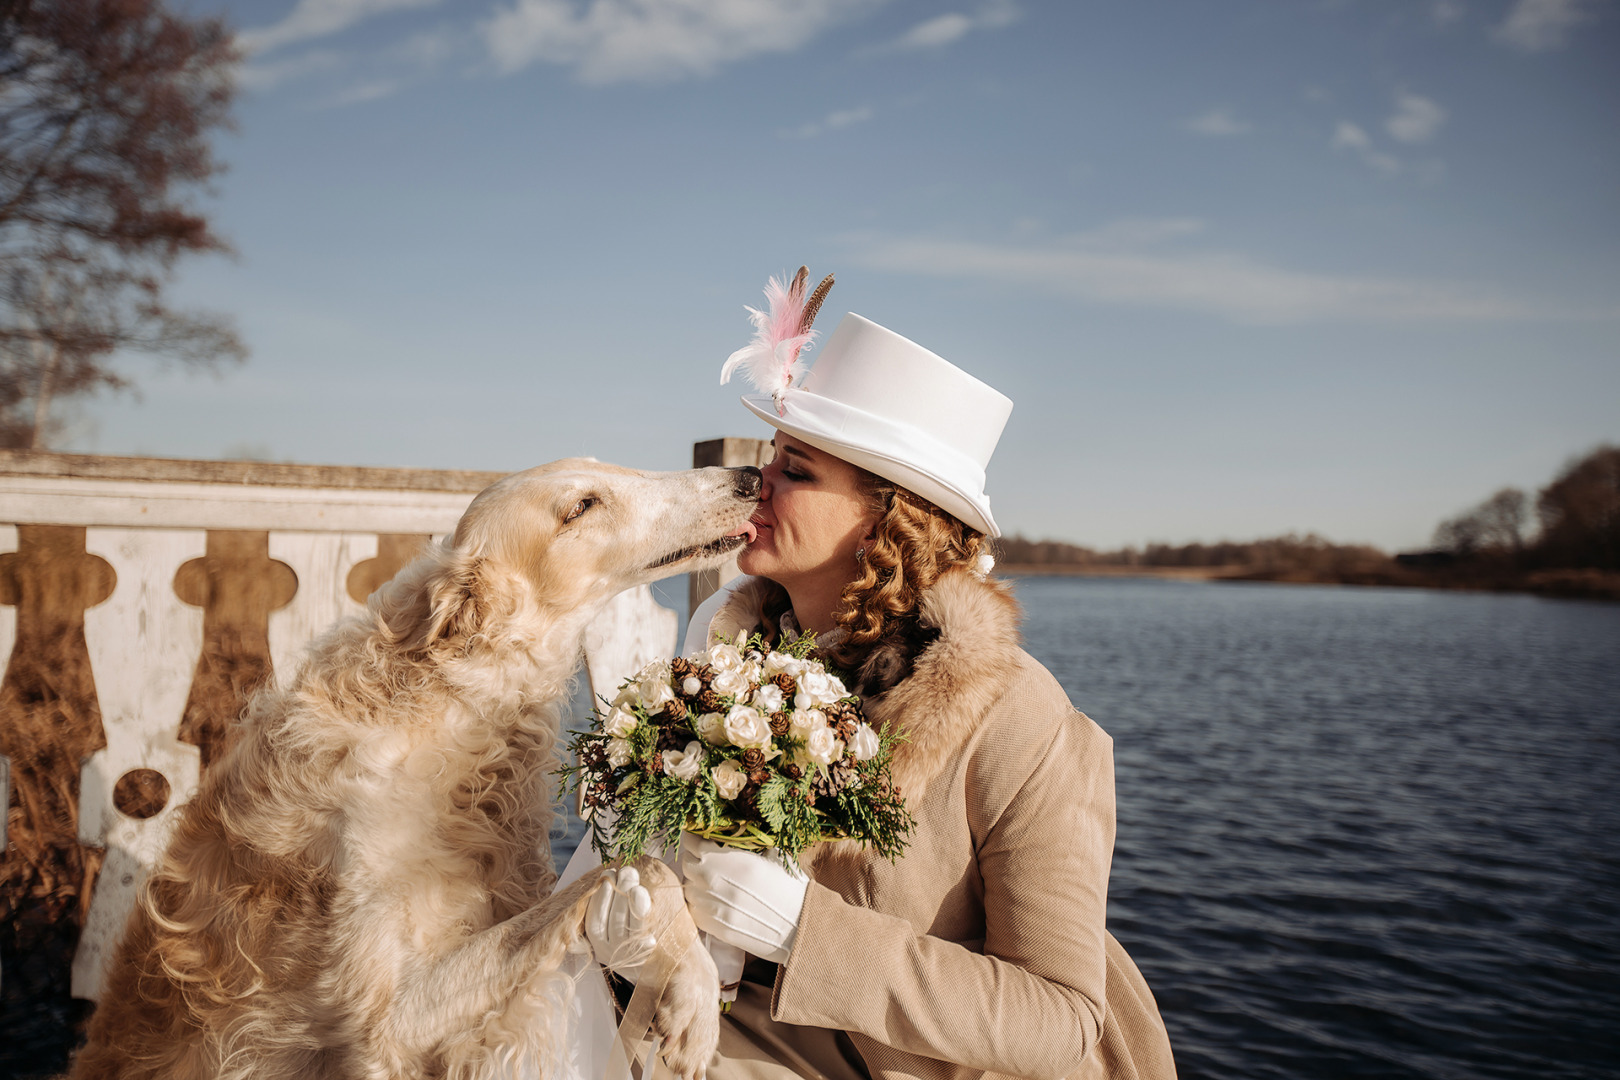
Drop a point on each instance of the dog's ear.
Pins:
(456, 601)
(439, 598)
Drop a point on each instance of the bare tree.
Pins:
(1580, 513)
(106, 108)
(1495, 526)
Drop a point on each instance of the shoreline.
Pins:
(1561, 584)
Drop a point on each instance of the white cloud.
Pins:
(1227, 285)
(607, 41)
(374, 90)
(264, 76)
(1446, 12)
(1416, 119)
(833, 121)
(936, 32)
(318, 18)
(942, 30)
(1354, 138)
(1217, 122)
(1542, 25)
(1348, 136)
(1137, 232)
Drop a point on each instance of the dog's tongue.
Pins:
(745, 530)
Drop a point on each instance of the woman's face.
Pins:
(810, 521)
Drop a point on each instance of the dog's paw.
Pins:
(688, 1015)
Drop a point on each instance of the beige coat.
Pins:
(982, 951)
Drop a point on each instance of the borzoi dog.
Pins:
(362, 888)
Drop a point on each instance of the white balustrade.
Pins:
(144, 645)
(322, 562)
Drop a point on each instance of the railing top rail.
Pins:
(48, 464)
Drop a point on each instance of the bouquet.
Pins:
(743, 744)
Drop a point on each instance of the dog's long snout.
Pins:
(748, 482)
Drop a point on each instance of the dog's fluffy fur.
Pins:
(363, 885)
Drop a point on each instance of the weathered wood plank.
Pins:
(42, 463)
(86, 501)
(8, 640)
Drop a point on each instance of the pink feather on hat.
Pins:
(772, 361)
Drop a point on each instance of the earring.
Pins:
(860, 554)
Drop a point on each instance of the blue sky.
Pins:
(1244, 267)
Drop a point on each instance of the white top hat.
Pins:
(887, 404)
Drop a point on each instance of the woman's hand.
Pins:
(744, 899)
(616, 922)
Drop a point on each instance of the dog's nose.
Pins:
(748, 480)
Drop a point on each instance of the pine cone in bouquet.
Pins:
(744, 744)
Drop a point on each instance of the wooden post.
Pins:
(730, 454)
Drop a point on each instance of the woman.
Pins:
(982, 950)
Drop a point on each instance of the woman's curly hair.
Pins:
(914, 543)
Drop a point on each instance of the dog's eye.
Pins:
(580, 507)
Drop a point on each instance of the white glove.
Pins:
(744, 899)
(616, 922)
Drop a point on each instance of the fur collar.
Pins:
(936, 682)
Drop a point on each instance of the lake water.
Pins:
(1362, 832)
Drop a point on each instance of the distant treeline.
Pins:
(1291, 552)
(1566, 541)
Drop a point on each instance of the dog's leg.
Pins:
(447, 1001)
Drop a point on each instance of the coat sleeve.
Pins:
(1032, 1002)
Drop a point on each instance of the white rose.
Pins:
(864, 743)
(691, 686)
(711, 727)
(823, 746)
(801, 722)
(730, 683)
(837, 687)
(768, 698)
(745, 727)
(723, 657)
(782, 664)
(619, 753)
(753, 671)
(627, 695)
(654, 691)
(817, 688)
(729, 778)
(619, 724)
(684, 764)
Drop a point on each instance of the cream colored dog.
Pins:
(363, 886)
